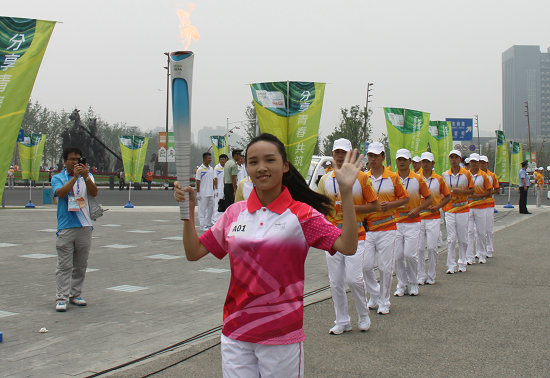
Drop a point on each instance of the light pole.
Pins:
(369, 95)
(167, 106)
(528, 129)
(477, 127)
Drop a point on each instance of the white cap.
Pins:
(416, 159)
(455, 152)
(467, 160)
(375, 148)
(484, 158)
(403, 153)
(474, 157)
(427, 156)
(342, 144)
(541, 169)
(548, 168)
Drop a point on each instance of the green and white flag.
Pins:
(219, 146)
(502, 158)
(23, 43)
(291, 110)
(134, 150)
(406, 129)
(440, 138)
(515, 162)
(31, 151)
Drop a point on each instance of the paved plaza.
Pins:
(144, 296)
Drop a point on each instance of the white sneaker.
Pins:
(482, 261)
(338, 329)
(450, 271)
(489, 255)
(413, 290)
(373, 302)
(399, 292)
(430, 282)
(364, 323)
(462, 270)
(79, 301)
(61, 306)
(383, 310)
(421, 282)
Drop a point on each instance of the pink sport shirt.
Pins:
(267, 248)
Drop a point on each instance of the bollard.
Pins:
(1, 336)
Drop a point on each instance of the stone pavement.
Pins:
(143, 297)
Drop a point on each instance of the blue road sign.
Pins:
(462, 128)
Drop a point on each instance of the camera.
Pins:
(82, 160)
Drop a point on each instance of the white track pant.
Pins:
(429, 235)
(457, 232)
(381, 243)
(489, 225)
(538, 191)
(215, 213)
(241, 359)
(206, 208)
(348, 270)
(406, 254)
(477, 235)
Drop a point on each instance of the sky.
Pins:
(442, 57)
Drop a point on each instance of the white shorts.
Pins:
(241, 359)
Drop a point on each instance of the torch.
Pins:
(181, 68)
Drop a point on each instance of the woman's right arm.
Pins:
(194, 250)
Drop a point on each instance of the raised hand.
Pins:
(347, 173)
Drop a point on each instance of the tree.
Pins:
(248, 126)
(351, 127)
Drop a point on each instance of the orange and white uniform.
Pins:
(381, 237)
(429, 229)
(408, 230)
(456, 218)
(344, 269)
(477, 220)
(539, 181)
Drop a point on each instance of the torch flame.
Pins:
(187, 31)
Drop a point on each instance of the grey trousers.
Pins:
(73, 247)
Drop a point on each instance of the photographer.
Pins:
(74, 227)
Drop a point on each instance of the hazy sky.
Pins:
(442, 57)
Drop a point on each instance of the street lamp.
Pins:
(369, 95)
(167, 106)
(477, 127)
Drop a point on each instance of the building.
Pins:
(205, 133)
(526, 77)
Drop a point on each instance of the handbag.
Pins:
(96, 210)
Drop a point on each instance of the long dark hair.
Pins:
(293, 180)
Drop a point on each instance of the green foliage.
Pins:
(351, 127)
(248, 128)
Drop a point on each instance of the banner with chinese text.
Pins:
(23, 43)
(441, 143)
(166, 150)
(406, 129)
(291, 110)
(134, 150)
(515, 162)
(31, 151)
(219, 146)
(502, 158)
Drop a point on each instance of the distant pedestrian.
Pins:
(11, 177)
(539, 182)
(524, 184)
(149, 178)
(74, 228)
(121, 181)
(218, 194)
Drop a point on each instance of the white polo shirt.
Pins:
(206, 176)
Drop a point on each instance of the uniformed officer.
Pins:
(524, 184)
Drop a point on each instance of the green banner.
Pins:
(31, 151)
(502, 158)
(440, 138)
(515, 162)
(291, 110)
(219, 146)
(22, 45)
(406, 129)
(134, 151)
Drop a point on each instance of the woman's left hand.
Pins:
(347, 173)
